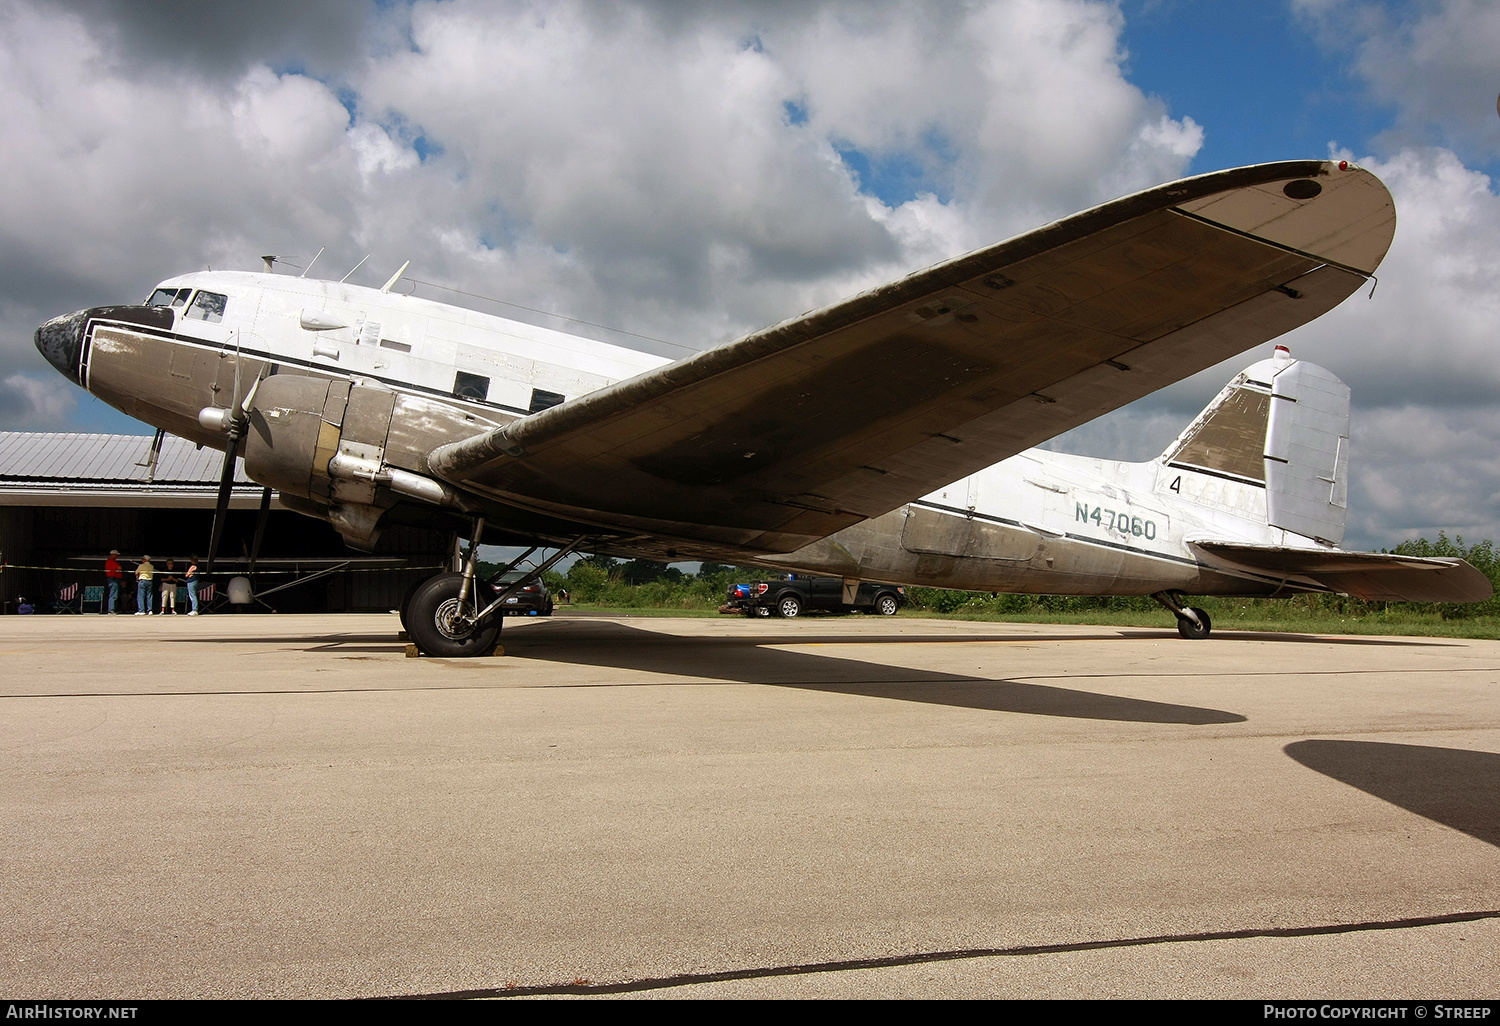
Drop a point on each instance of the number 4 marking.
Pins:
(1176, 486)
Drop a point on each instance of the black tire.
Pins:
(429, 626)
(547, 609)
(887, 604)
(1193, 631)
(406, 599)
(788, 607)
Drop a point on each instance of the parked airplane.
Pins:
(810, 445)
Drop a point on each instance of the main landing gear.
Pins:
(442, 621)
(1192, 622)
(453, 614)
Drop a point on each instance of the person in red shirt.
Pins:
(112, 577)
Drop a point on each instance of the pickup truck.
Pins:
(794, 594)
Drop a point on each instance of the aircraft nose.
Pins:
(60, 340)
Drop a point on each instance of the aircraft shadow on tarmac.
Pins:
(1456, 787)
(756, 660)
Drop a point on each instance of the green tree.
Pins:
(643, 571)
(1480, 555)
(586, 581)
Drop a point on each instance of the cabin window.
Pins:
(208, 306)
(471, 386)
(543, 400)
(169, 297)
(400, 347)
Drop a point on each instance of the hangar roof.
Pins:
(65, 469)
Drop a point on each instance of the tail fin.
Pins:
(1282, 425)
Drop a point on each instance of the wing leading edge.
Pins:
(841, 414)
(1373, 576)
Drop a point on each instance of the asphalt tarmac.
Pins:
(288, 806)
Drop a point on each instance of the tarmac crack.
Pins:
(582, 986)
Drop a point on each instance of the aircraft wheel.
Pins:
(788, 606)
(432, 622)
(1189, 629)
(886, 605)
(406, 599)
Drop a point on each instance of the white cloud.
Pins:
(1429, 332)
(1425, 470)
(678, 171)
(1432, 60)
(377, 153)
(287, 118)
(38, 403)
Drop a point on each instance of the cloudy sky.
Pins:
(684, 173)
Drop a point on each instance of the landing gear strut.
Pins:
(1192, 622)
(453, 614)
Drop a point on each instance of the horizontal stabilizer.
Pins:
(1374, 576)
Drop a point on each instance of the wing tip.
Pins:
(1335, 210)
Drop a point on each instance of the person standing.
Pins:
(191, 579)
(144, 573)
(169, 589)
(112, 577)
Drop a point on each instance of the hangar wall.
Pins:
(66, 500)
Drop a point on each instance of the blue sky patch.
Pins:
(892, 178)
(1255, 79)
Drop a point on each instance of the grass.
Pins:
(601, 590)
(1269, 615)
(599, 609)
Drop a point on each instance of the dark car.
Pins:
(532, 600)
(795, 594)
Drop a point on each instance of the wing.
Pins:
(1375, 576)
(800, 430)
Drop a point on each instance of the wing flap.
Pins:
(814, 424)
(1373, 576)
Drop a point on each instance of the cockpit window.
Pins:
(174, 298)
(208, 306)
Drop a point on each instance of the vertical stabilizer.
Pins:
(1283, 426)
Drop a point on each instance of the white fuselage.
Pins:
(1037, 522)
(406, 343)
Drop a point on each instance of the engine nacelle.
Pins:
(299, 425)
(348, 453)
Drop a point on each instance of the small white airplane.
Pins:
(860, 440)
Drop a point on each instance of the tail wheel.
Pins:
(1192, 631)
(434, 621)
(886, 605)
(788, 606)
(762, 610)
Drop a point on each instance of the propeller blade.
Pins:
(260, 526)
(244, 409)
(221, 506)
